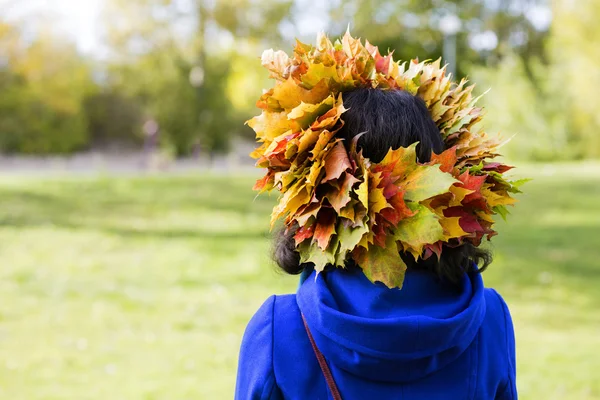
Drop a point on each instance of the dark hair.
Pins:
(391, 119)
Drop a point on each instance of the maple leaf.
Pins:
(311, 253)
(382, 264)
(323, 142)
(324, 45)
(472, 182)
(468, 222)
(422, 228)
(276, 62)
(306, 212)
(496, 198)
(258, 152)
(302, 48)
(305, 113)
(304, 232)
(458, 194)
(366, 240)
(516, 185)
(289, 94)
(315, 173)
(350, 45)
(503, 211)
(320, 74)
(279, 143)
(325, 227)
(362, 191)
(419, 182)
(336, 162)
(291, 148)
(265, 183)
(348, 239)
(446, 159)
(338, 198)
(348, 210)
(291, 201)
(452, 228)
(307, 139)
(377, 201)
(426, 181)
(269, 125)
(431, 249)
(496, 167)
(399, 205)
(396, 160)
(331, 117)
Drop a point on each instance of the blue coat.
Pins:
(427, 341)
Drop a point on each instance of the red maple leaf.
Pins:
(468, 222)
(498, 167)
(446, 159)
(325, 227)
(304, 233)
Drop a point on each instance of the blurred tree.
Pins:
(575, 72)
(176, 57)
(43, 81)
(113, 119)
(489, 31)
(519, 109)
(557, 117)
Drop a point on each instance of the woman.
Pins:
(385, 232)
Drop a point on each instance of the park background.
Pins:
(133, 249)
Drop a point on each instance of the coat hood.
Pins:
(391, 335)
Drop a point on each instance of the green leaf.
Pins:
(426, 181)
(317, 72)
(502, 211)
(305, 114)
(350, 237)
(311, 253)
(419, 181)
(516, 185)
(475, 169)
(422, 228)
(383, 264)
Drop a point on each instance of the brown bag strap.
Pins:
(323, 364)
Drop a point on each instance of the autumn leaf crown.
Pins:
(341, 205)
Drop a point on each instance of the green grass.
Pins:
(140, 288)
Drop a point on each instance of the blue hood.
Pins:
(391, 335)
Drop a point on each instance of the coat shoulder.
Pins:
(497, 347)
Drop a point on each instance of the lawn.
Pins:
(140, 288)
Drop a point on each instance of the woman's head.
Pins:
(391, 119)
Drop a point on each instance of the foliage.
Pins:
(151, 48)
(398, 204)
(515, 107)
(552, 119)
(43, 85)
(112, 119)
(575, 57)
(411, 28)
(160, 64)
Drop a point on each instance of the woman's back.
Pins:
(428, 341)
(387, 192)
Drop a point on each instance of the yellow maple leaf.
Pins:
(452, 228)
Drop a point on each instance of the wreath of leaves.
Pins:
(342, 205)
